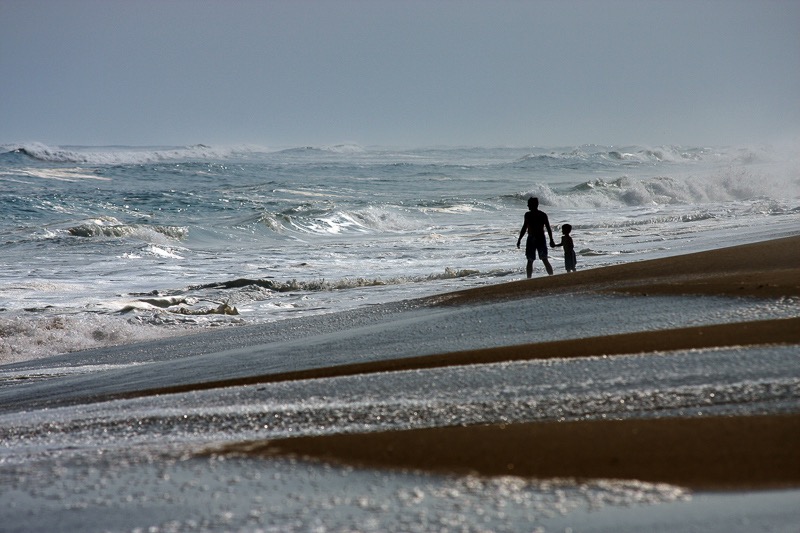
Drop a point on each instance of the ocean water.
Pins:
(110, 245)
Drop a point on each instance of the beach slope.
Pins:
(719, 452)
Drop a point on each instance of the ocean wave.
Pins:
(112, 155)
(661, 154)
(601, 156)
(319, 221)
(116, 155)
(322, 285)
(331, 149)
(166, 253)
(59, 174)
(111, 228)
(570, 158)
(724, 186)
(344, 149)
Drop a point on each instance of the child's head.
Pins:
(566, 229)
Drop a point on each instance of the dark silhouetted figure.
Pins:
(570, 259)
(535, 223)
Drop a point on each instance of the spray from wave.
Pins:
(730, 184)
(117, 155)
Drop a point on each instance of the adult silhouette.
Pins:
(535, 223)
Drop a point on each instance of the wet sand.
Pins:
(750, 452)
(744, 452)
(766, 269)
(762, 270)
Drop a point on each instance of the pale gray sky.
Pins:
(402, 72)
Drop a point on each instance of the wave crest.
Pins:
(312, 220)
(724, 186)
(601, 156)
(113, 229)
(323, 285)
(117, 155)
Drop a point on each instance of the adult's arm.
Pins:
(549, 231)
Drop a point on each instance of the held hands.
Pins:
(552, 243)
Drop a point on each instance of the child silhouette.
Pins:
(570, 259)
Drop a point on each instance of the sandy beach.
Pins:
(704, 453)
(762, 270)
(621, 386)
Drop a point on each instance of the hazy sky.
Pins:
(402, 72)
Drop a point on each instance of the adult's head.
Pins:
(533, 202)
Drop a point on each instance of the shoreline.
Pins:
(703, 453)
(765, 269)
(757, 270)
(776, 331)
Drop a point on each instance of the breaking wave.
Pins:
(333, 149)
(115, 155)
(322, 285)
(111, 228)
(726, 186)
(331, 222)
(602, 155)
